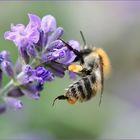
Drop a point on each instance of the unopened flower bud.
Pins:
(7, 68)
(24, 55)
(13, 103)
(48, 24)
(56, 34)
(30, 91)
(6, 56)
(31, 51)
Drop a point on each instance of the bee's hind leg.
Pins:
(61, 97)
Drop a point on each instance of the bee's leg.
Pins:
(61, 97)
(76, 52)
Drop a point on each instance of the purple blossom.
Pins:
(4, 55)
(13, 103)
(39, 76)
(46, 75)
(48, 24)
(8, 69)
(30, 91)
(21, 35)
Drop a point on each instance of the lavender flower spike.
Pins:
(42, 58)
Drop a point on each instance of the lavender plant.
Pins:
(42, 57)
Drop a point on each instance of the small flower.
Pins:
(31, 51)
(56, 35)
(48, 24)
(4, 55)
(22, 35)
(45, 74)
(30, 91)
(13, 103)
(69, 56)
(23, 53)
(7, 68)
(37, 76)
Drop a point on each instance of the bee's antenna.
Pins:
(61, 97)
(83, 38)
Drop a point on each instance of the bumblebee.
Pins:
(93, 66)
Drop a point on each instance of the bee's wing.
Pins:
(57, 68)
(102, 80)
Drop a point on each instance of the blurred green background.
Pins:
(112, 25)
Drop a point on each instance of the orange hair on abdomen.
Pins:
(105, 60)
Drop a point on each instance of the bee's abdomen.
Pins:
(83, 89)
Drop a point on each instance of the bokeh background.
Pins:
(112, 25)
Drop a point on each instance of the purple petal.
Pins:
(17, 27)
(30, 91)
(33, 36)
(13, 103)
(34, 22)
(48, 24)
(56, 34)
(74, 44)
(45, 74)
(43, 38)
(6, 55)
(70, 56)
(31, 51)
(23, 53)
(58, 44)
(7, 68)
(10, 36)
